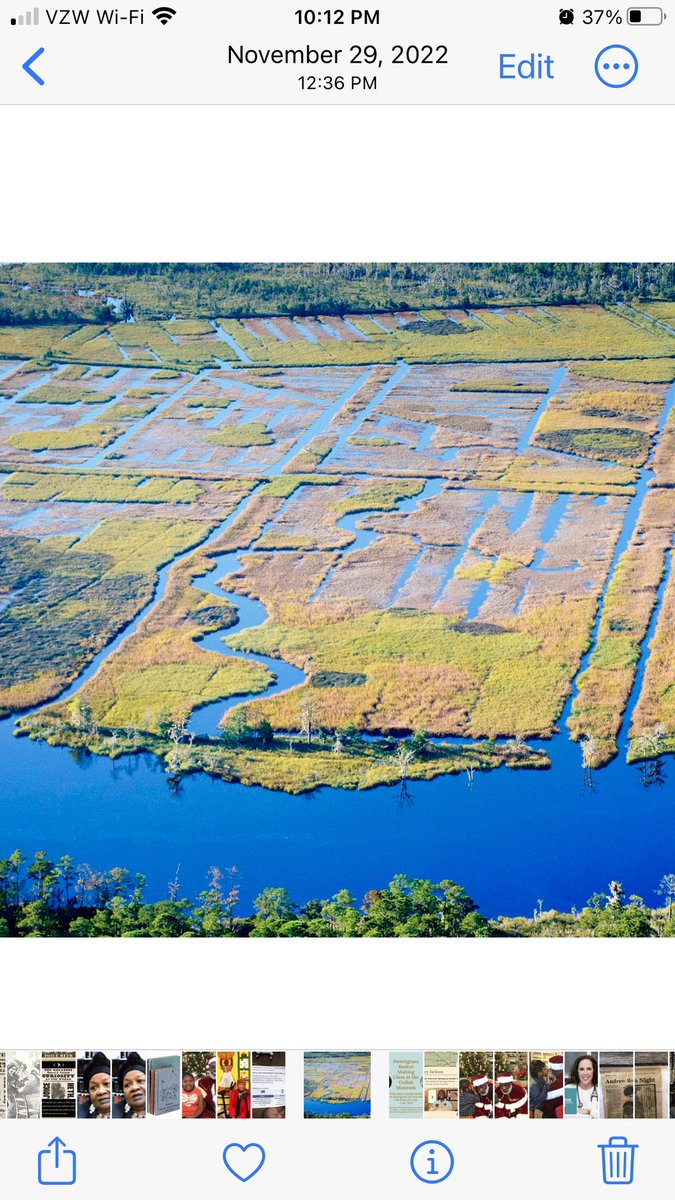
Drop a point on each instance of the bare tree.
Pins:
(654, 740)
(174, 885)
(309, 710)
(176, 732)
(402, 758)
(516, 745)
(667, 888)
(589, 752)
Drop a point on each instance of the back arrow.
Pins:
(29, 63)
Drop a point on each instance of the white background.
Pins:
(315, 184)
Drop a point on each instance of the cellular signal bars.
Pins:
(31, 18)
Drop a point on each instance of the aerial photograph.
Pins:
(337, 1085)
(336, 599)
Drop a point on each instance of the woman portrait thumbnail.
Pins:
(129, 1070)
(583, 1091)
(94, 1086)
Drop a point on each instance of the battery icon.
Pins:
(645, 16)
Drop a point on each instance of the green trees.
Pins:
(237, 729)
(47, 897)
(407, 908)
(276, 915)
(419, 908)
(30, 294)
(614, 916)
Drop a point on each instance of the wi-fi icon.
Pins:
(164, 13)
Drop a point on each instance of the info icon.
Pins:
(432, 1162)
(566, 16)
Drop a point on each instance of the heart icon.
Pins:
(243, 1161)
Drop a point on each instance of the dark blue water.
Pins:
(512, 838)
(319, 1108)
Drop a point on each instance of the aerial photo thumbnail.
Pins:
(337, 1084)
(337, 599)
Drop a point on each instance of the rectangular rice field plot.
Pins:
(65, 504)
(184, 332)
(71, 505)
(241, 424)
(606, 421)
(20, 380)
(484, 555)
(53, 419)
(71, 521)
(310, 519)
(29, 341)
(144, 343)
(547, 333)
(480, 335)
(287, 330)
(344, 329)
(91, 344)
(425, 415)
(386, 549)
(49, 432)
(24, 489)
(553, 550)
(16, 374)
(150, 341)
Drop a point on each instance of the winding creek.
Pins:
(511, 838)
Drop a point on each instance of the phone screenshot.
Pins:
(337, 600)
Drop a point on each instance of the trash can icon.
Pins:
(618, 1160)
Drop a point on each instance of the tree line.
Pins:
(46, 897)
(52, 293)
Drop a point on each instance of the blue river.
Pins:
(353, 1108)
(511, 838)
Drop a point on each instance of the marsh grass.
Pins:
(253, 433)
(79, 437)
(72, 596)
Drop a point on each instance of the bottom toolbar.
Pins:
(334, 1159)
